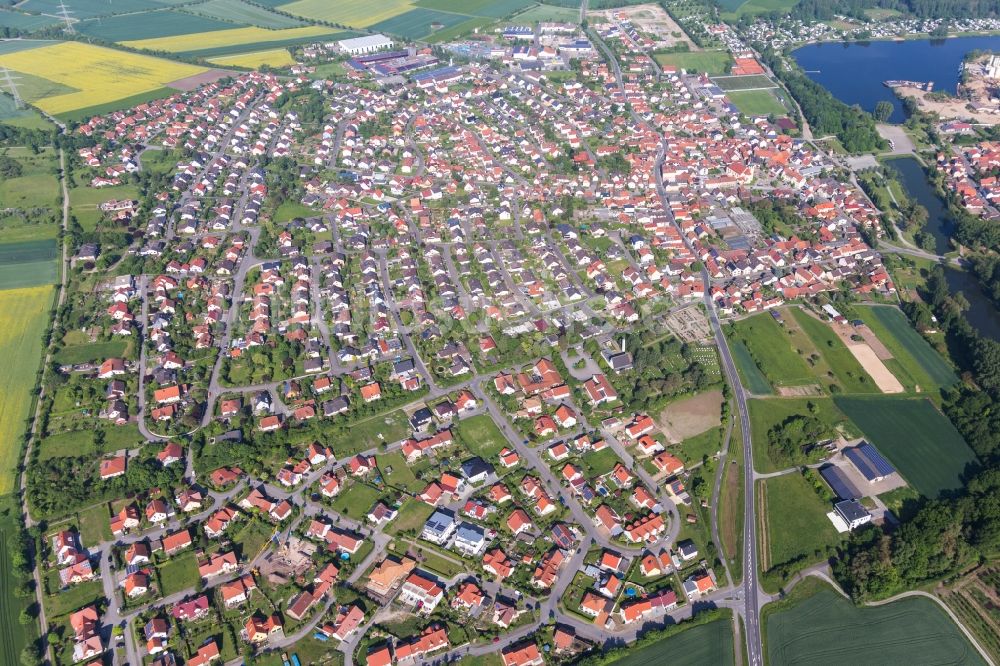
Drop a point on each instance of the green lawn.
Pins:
(597, 463)
(851, 377)
(797, 526)
(412, 516)
(708, 443)
(252, 537)
(85, 201)
(37, 186)
(739, 9)
(765, 413)
(812, 631)
(292, 209)
(81, 442)
(402, 475)
(710, 643)
(73, 598)
(915, 362)
(918, 439)
(96, 351)
(481, 436)
(356, 500)
(363, 435)
(711, 62)
(770, 349)
(95, 524)
(178, 573)
(757, 102)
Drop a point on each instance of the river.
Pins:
(854, 71)
(982, 313)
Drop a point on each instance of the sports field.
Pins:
(919, 440)
(24, 314)
(757, 102)
(353, 13)
(272, 57)
(750, 82)
(98, 75)
(711, 62)
(710, 643)
(827, 629)
(28, 264)
(914, 361)
(248, 37)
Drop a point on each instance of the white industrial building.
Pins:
(366, 44)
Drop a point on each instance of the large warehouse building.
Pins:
(366, 44)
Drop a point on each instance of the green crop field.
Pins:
(27, 117)
(770, 349)
(243, 13)
(918, 439)
(919, 364)
(13, 635)
(851, 376)
(710, 62)
(487, 8)
(752, 377)
(710, 643)
(418, 23)
(89, 8)
(797, 526)
(815, 631)
(151, 25)
(545, 13)
(353, 13)
(765, 413)
(757, 102)
(27, 264)
(29, 22)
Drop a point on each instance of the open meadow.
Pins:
(818, 626)
(794, 517)
(24, 314)
(918, 439)
(772, 353)
(93, 75)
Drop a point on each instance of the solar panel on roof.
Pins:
(838, 482)
(864, 466)
(877, 459)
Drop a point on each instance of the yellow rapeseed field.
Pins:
(98, 74)
(219, 38)
(272, 57)
(353, 13)
(24, 314)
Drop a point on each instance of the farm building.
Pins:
(366, 44)
(839, 483)
(872, 465)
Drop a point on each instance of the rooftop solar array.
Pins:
(839, 483)
(869, 462)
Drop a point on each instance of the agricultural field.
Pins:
(28, 264)
(738, 8)
(546, 13)
(37, 185)
(418, 23)
(237, 11)
(92, 75)
(256, 59)
(19, 21)
(757, 103)
(486, 8)
(13, 634)
(149, 25)
(83, 9)
(851, 377)
(917, 439)
(27, 118)
(710, 643)
(24, 314)
(794, 519)
(917, 365)
(770, 350)
(710, 62)
(353, 13)
(812, 630)
(246, 38)
(753, 379)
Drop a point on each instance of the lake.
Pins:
(854, 71)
